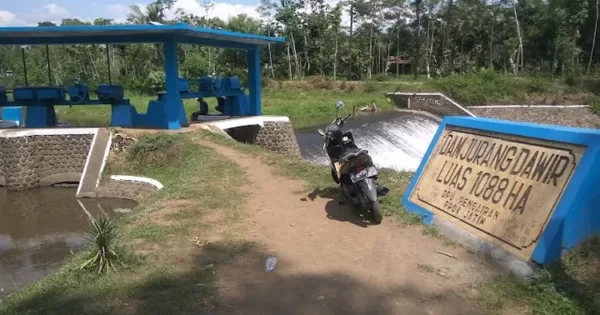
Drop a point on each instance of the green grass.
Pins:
(305, 107)
(311, 102)
(186, 169)
(568, 287)
(207, 183)
(154, 232)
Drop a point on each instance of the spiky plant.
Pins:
(102, 236)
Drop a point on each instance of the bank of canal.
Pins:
(40, 228)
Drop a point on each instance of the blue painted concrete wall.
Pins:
(12, 114)
(577, 214)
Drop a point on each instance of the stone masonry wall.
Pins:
(2, 183)
(278, 136)
(434, 103)
(26, 161)
(124, 190)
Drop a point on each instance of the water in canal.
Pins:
(40, 228)
(395, 140)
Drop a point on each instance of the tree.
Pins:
(587, 72)
(438, 37)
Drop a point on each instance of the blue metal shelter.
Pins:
(171, 113)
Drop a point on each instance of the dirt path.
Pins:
(331, 262)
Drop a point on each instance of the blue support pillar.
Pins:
(254, 82)
(173, 106)
(42, 115)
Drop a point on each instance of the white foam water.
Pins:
(398, 142)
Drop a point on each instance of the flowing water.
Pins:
(395, 140)
(40, 228)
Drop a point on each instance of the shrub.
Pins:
(344, 85)
(369, 87)
(268, 82)
(381, 77)
(594, 103)
(158, 150)
(241, 74)
(489, 86)
(319, 82)
(573, 79)
(102, 237)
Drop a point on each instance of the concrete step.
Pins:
(94, 164)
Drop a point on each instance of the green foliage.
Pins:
(570, 286)
(102, 237)
(241, 74)
(573, 78)
(319, 82)
(489, 86)
(594, 103)
(381, 77)
(556, 36)
(370, 87)
(158, 150)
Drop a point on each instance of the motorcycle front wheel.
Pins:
(376, 212)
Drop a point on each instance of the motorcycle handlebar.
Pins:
(343, 119)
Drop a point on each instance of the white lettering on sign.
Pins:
(426, 100)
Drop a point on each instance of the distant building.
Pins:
(404, 65)
(6, 74)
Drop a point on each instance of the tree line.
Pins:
(382, 39)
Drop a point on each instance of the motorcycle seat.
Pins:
(353, 152)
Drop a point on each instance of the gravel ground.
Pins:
(573, 117)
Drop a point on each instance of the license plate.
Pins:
(367, 172)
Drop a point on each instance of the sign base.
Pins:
(498, 255)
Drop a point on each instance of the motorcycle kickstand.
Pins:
(340, 198)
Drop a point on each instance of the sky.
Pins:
(29, 12)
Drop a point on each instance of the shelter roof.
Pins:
(131, 33)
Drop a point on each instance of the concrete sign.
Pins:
(505, 182)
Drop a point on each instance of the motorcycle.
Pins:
(352, 168)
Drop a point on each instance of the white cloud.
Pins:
(55, 10)
(7, 17)
(117, 10)
(50, 12)
(221, 10)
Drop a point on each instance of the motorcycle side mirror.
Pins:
(338, 107)
(321, 132)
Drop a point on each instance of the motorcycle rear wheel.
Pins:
(376, 212)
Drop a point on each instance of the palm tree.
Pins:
(154, 12)
(136, 16)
